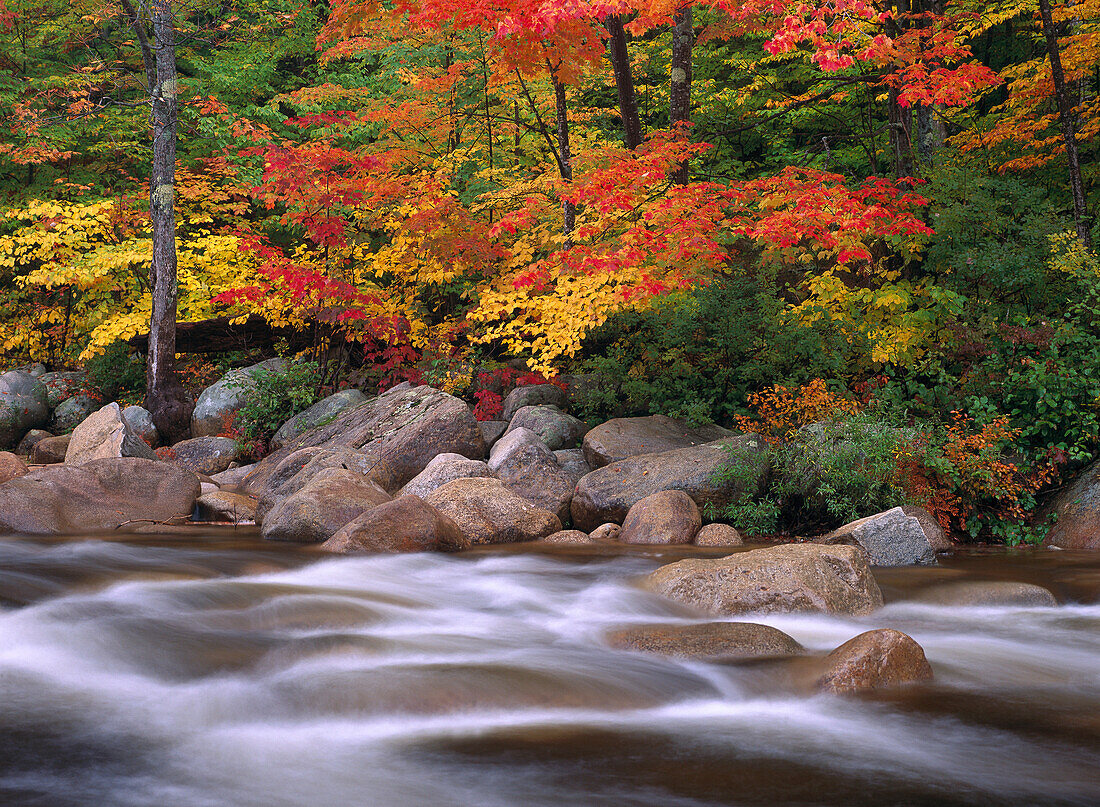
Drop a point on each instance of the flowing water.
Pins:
(215, 671)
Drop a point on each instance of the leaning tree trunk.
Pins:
(679, 110)
(1069, 128)
(624, 81)
(164, 397)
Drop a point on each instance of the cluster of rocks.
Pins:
(412, 470)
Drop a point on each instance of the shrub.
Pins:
(830, 462)
(274, 397)
(699, 354)
(117, 373)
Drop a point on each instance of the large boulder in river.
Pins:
(874, 660)
(528, 468)
(319, 510)
(219, 403)
(665, 517)
(406, 524)
(709, 640)
(23, 406)
(609, 492)
(620, 438)
(102, 494)
(404, 427)
(203, 455)
(791, 577)
(557, 429)
(889, 539)
(442, 469)
(534, 395)
(489, 513)
(105, 434)
(323, 411)
(1077, 509)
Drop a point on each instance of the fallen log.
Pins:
(220, 335)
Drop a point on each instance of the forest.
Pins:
(764, 215)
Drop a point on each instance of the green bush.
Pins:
(831, 473)
(697, 355)
(275, 396)
(117, 373)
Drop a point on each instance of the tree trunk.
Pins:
(624, 81)
(931, 132)
(900, 120)
(679, 111)
(164, 396)
(1069, 128)
(568, 211)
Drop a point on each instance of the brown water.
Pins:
(213, 669)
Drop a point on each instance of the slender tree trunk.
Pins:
(931, 133)
(624, 81)
(679, 111)
(568, 211)
(900, 127)
(164, 396)
(1069, 128)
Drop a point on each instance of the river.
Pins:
(214, 670)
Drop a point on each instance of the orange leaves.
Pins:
(782, 411)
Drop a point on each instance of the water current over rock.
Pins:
(215, 672)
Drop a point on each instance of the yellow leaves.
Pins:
(899, 320)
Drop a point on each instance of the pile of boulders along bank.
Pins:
(412, 470)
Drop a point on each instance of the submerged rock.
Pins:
(792, 577)
(710, 640)
(874, 660)
(575, 537)
(987, 593)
